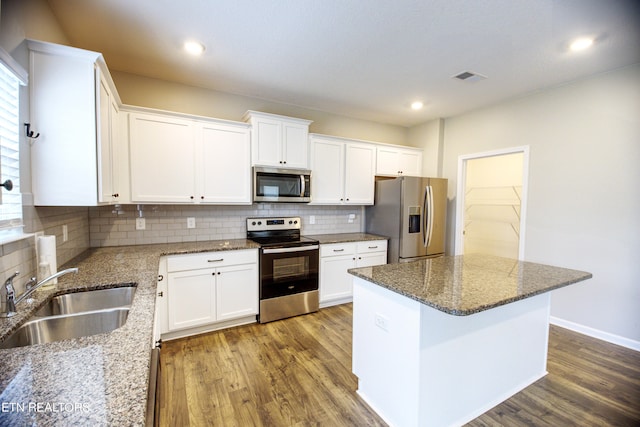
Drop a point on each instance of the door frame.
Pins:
(460, 199)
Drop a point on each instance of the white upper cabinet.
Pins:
(225, 163)
(74, 107)
(278, 141)
(182, 160)
(162, 159)
(395, 161)
(342, 171)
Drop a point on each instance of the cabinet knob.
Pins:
(191, 197)
(201, 197)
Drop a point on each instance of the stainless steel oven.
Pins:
(288, 268)
(281, 185)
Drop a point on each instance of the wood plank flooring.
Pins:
(297, 372)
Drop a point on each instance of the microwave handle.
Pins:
(303, 186)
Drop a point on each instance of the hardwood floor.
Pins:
(297, 372)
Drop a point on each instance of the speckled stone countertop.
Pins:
(100, 380)
(468, 284)
(326, 239)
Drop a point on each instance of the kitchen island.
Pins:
(441, 341)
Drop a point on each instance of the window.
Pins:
(11, 76)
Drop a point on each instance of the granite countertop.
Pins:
(98, 380)
(325, 239)
(468, 284)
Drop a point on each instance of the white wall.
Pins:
(153, 93)
(584, 200)
(430, 137)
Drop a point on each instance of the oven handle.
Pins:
(294, 249)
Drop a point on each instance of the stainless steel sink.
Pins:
(56, 328)
(79, 302)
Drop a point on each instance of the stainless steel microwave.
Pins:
(281, 185)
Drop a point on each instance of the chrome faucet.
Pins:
(8, 299)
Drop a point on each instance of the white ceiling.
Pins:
(367, 59)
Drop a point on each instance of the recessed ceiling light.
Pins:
(417, 105)
(581, 44)
(193, 47)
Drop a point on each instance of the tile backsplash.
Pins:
(21, 255)
(116, 226)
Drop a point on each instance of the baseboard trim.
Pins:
(596, 333)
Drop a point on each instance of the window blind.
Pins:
(11, 207)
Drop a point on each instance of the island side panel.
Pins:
(469, 364)
(386, 353)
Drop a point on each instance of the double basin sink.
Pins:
(74, 315)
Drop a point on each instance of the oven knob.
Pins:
(295, 222)
(290, 222)
(259, 222)
(253, 223)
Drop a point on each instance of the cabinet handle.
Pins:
(161, 294)
(215, 260)
(338, 250)
(160, 277)
(373, 247)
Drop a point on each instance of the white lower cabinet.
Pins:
(210, 291)
(336, 258)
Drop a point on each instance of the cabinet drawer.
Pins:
(372, 246)
(211, 259)
(336, 249)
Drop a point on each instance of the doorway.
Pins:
(491, 202)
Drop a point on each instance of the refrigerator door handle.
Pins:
(430, 214)
(427, 208)
(425, 215)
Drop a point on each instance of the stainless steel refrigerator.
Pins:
(411, 212)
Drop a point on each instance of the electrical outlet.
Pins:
(351, 218)
(381, 322)
(141, 224)
(191, 222)
(312, 219)
(65, 233)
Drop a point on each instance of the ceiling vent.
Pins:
(469, 76)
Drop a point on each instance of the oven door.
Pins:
(287, 271)
(281, 185)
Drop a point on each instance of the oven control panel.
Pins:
(283, 223)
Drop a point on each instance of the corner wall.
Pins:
(583, 204)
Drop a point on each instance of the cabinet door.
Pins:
(295, 143)
(105, 137)
(387, 161)
(410, 163)
(191, 298)
(267, 142)
(327, 179)
(162, 159)
(359, 173)
(225, 164)
(236, 291)
(335, 282)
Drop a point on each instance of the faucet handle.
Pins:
(9, 281)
